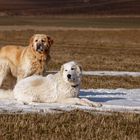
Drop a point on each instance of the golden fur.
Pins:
(22, 62)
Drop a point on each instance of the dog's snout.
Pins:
(40, 46)
(69, 76)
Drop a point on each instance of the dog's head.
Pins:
(41, 43)
(71, 73)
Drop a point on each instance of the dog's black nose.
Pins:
(69, 76)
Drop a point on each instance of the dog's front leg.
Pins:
(1, 80)
(21, 74)
(78, 101)
(2, 77)
(4, 69)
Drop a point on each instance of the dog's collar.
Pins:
(74, 86)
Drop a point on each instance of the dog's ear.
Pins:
(50, 40)
(79, 67)
(31, 41)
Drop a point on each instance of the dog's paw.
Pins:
(90, 103)
(93, 104)
(21, 102)
(98, 105)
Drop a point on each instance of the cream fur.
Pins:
(53, 88)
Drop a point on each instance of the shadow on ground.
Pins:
(93, 96)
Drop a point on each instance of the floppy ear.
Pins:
(79, 67)
(50, 40)
(31, 41)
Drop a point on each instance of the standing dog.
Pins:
(62, 87)
(22, 62)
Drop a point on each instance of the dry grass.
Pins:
(70, 125)
(94, 50)
(110, 82)
(99, 50)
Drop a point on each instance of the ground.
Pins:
(112, 45)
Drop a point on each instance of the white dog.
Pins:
(62, 87)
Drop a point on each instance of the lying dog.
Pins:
(62, 87)
(22, 62)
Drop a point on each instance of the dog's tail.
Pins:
(6, 94)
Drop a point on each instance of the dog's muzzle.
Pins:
(40, 47)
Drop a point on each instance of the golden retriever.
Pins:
(22, 62)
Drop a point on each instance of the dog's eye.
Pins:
(66, 70)
(72, 68)
(36, 40)
(42, 41)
